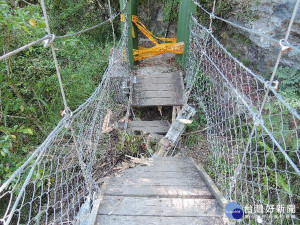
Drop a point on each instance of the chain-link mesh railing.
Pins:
(59, 177)
(253, 133)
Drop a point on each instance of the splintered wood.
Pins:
(105, 127)
(177, 128)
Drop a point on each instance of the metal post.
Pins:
(186, 9)
(132, 29)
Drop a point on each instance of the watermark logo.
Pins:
(233, 211)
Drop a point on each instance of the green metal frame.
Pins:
(132, 42)
(186, 9)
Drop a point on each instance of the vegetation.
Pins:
(289, 86)
(29, 93)
(30, 96)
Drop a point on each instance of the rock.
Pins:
(272, 19)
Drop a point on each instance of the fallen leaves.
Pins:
(133, 162)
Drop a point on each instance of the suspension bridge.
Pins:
(254, 160)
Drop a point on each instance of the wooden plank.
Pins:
(158, 73)
(157, 126)
(158, 220)
(174, 75)
(158, 90)
(161, 172)
(159, 80)
(148, 123)
(165, 164)
(188, 181)
(178, 191)
(175, 160)
(158, 94)
(132, 206)
(177, 127)
(211, 185)
(157, 102)
(165, 168)
(136, 173)
(149, 70)
(153, 87)
(151, 130)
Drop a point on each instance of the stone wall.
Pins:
(270, 17)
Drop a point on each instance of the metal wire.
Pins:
(240, 27)
(58, 182)
(14, 52)
(112, 18)
(47, 37)
(238, 118)
(54, 57)
(252, 131)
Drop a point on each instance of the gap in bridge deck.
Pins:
(157, 88)
(167, 190)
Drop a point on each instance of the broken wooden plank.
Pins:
(178, 126)
(175, 131)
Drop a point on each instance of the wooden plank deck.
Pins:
(169, 191)
(158, 89)
(155, 126)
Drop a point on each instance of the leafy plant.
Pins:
(289, 84)
(12, 150)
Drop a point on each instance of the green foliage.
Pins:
(12, 149)
(222, 9)
(171, 11)
(29, 93)
(193, 136)
(133, 144)
(289, 85)
(68, 16)
(247, 11)
(242, 39)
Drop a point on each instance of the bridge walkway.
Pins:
(167, 191)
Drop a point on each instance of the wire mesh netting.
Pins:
(52, 186)
(253, 133)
